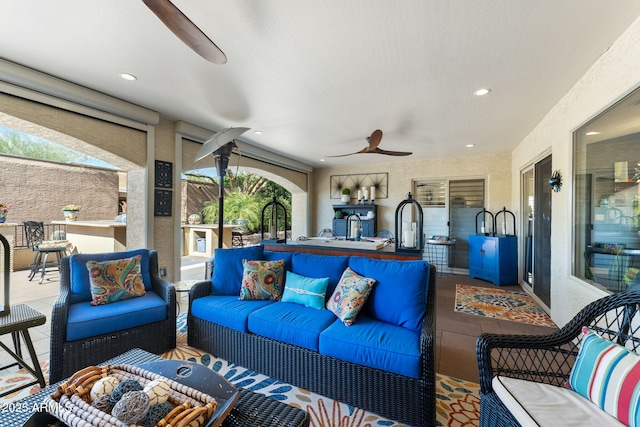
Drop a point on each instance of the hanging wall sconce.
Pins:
(270, 220)
(556, 181)
(409, 235)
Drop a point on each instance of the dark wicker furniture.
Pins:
(400, 398)
(67, 357)
(17, 323)
(250, 410)
(549, 358)
(34, 231)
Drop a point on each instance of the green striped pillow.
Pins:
(608, 375)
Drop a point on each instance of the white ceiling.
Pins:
(317, 77)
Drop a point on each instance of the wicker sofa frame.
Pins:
(398, 397)
(67, 357)
(549, 358)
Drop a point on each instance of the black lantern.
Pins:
(270, 221)
(5, 251)
(409, 222)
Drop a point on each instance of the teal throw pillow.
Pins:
(305, 290)
(349, 296)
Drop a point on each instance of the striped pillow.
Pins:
(608, 375)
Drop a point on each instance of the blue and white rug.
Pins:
(457, 401)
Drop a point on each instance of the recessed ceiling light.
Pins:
(322, 160)
(592, 133)
(128, 76)
(470, 145)
(482, 92)
(257, 132)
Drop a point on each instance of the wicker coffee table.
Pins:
(252, 409)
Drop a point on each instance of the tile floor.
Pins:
(455, 340)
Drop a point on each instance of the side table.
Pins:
(17, 323)
(441, 253)
(183, 286)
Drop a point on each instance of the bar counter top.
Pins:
(94, 223)
(387, 252)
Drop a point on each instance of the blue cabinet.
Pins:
(494, 258)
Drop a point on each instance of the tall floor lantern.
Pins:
(270, 221)
(409, 221)
(220, 145)
(5, 251)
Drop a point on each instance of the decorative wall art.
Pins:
(164, 174)
(162, 205)
(358, 181)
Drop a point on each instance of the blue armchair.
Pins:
(83, 334)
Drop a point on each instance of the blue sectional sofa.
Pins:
(384, 362)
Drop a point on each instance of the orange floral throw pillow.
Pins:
(115, 280)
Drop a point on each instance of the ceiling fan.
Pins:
(186, 30)
(374, 141)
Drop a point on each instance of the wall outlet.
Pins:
(163, 272)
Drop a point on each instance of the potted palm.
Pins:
(346, 195)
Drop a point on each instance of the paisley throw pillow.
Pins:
(350, 295)
(115, 280)
(262, 280)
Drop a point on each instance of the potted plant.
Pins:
(71, 212)
(4, 208)
(346, 195)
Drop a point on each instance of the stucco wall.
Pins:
(612, 76)
(495, 168)
(39, 189)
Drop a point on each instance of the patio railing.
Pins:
(51, 232)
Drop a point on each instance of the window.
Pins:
(606, 212)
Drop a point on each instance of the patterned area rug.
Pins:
(500, 304)
(457, 401)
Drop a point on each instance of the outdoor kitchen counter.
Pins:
(387, 252)
(96, 236)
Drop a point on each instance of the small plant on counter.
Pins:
(71, 208)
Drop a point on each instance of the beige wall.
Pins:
(612, 76)
(39, 189)
(495, 168)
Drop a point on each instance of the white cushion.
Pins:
(537, 404)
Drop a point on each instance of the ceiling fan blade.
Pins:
(364, 150)
(390, 153)
(374, 139)
(186, 30)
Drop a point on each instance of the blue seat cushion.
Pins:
(86, 320)
(399, 295)
(373, 343)
(226, 310)
(291, 323)
(79, 281)
(320, 266)
(227, 268)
